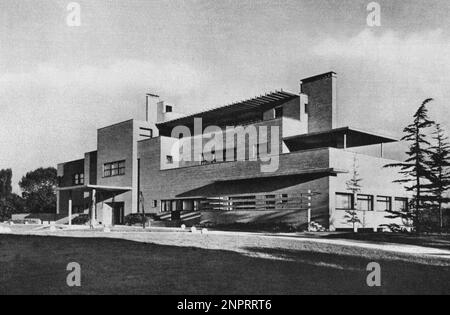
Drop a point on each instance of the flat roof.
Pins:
(92, 187)
(261, 102)
(355, 138)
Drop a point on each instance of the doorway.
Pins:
(118, 209)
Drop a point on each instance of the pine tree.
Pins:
(414, 168)
(354, 185)
(439, 166)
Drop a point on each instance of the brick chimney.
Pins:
(322, 101)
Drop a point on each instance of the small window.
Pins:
(384, 203)
(344, 201)
(278, 112)
(365, 202)
(169, 109)
(145, 132)
(169, 159)
(270, 201)
(306, 108)
(155, 203)
(78, 179)
(166, 206)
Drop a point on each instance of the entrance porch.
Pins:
(111, 212)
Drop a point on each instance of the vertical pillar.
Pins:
(70, 208)
(94, 203)
(309, 210)
(345, 141)
(58, 201)
(381, 150)
(92, 209)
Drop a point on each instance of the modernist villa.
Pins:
(141, 165)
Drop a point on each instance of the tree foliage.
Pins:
(439, 171)
(354, 185)
(39, 190)
(9, 202)
(5, 183)
(415, 169)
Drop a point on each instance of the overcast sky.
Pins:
(59, 83)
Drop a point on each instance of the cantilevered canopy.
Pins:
(96, 187)
(250, 109)
(345, 137)
(260, 184)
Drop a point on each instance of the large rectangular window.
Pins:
(384, 203)
(401, 204)
(344, 201)
(114, 169)
(365, 202)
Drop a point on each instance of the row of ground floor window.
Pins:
(299, 201)
(345, 201)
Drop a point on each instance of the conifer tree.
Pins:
(439, 166)
(354, 185)
(414, 169)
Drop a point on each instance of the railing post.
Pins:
(309, 210)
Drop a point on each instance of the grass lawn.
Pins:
(37, 265)
(433, 240)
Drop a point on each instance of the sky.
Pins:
(58, 84)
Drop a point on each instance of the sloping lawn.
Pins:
(37, 265)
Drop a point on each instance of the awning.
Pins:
(96, 187)
(335, 138)
(255, 185)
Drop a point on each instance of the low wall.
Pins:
(37, 216)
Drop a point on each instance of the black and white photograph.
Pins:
(224, 154)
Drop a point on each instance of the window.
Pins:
(270, 201)
(114, 169)
(169, 159)
(344, 201)
(278, 112)
(78, 179)
(145, 132)
(401, 204)
(166, 206)
(306, 108)
(365, 202)
(169, 109)
(155, 203)
(384, 203)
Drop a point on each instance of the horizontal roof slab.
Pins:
(335, 138)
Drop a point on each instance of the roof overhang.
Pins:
(331, 138)
(264, 183)
(95, 187)
(234, 110)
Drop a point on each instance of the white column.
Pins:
(309, 210)
(70, 208)
(58, 202)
